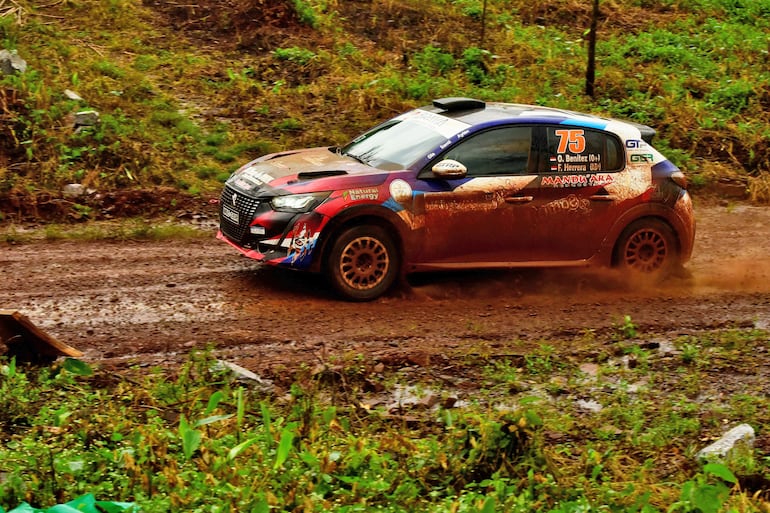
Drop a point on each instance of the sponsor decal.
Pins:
(400, 190)
(580, 180)
(447, 127)
(315, 160)
(569, 204)
(244, 184)
(460, 204)
(257, 175)
(368, 193)
(302, 244)
(633, 144)
(641, 157)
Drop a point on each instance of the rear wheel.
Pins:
(363, 263)
(647, 247)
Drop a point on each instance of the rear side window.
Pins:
(501, 151)
(582, 150)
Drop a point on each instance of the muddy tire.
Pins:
(363, 263)
(647, 247)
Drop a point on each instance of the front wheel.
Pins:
(647, 247)
(363, 263)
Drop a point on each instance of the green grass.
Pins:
(695, 70)
(126, 229)
(193, 439)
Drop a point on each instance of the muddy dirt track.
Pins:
(150, 303)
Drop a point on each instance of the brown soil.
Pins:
(25, 208)
(150, 303)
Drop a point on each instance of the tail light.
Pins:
(678, 178)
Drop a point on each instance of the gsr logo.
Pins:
(641, 157)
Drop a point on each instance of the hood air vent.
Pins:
(312, 175)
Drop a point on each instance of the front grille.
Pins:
(246, 208)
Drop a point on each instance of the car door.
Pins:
(576, 198)
(485, 217)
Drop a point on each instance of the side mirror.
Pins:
(449, 169)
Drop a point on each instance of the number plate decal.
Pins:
(230, 214)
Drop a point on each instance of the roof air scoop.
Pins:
(458, 103)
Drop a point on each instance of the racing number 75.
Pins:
(572, 140)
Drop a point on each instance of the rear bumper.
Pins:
(685, 226)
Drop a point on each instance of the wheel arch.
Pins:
(613, 256)
(360, 216)
(661, 213)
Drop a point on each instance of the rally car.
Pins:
(462, 184)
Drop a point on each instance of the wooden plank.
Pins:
(22, 337)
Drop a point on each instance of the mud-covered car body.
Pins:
(463, 184)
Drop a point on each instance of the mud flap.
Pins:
(29, 343)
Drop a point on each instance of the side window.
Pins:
(501, 151)
(582, 150)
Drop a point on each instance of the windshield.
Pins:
(401, 142)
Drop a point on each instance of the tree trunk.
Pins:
(591, 68)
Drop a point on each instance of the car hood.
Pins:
(313, 169)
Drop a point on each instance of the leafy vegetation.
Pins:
(546, 433)
(187, 93)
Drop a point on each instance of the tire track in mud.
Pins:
(150, 303)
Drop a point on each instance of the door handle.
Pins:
(602, 197)
(519, 199)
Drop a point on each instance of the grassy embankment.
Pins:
(187, 94)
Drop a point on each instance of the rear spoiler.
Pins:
(647, 131)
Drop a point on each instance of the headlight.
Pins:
(298, 202)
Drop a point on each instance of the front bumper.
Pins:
(250, 225)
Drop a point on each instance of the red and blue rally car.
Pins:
(464, 184)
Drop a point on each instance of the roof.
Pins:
(478, 112)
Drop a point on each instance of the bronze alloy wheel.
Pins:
(646, 251)
(647, 247)
(363, 263)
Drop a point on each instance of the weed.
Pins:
(109, 69)
(289, 125)
(541, 361)
(306, 13)
(432, 60)
(294, 54)
(475, 66)
(690, 353)
(627, 329)
(708, 491)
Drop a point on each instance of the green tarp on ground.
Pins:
(85, 504)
